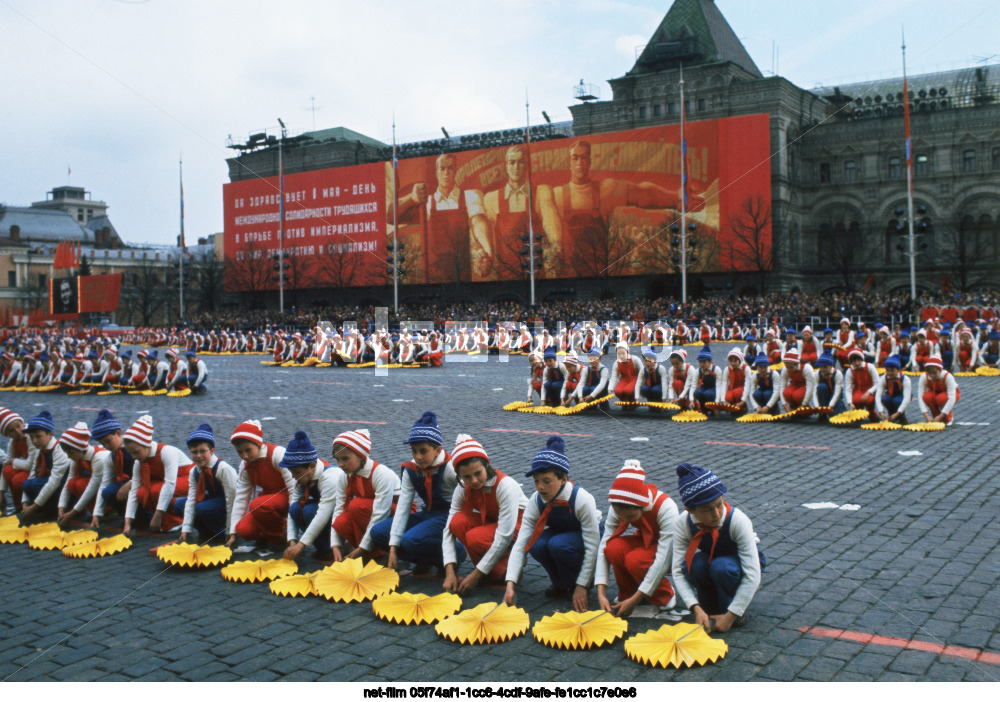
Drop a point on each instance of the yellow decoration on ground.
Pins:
(881, 426)
(36, 530)
(352, 580)
(722, 406)
(14, 535)
(880, 371)
(300, 585)
(10, 522)
(579, 629)
(626, 404)
(180, 393)
(194, 556)
(580, 406)
(966, 374)
(414, 608)
(690, 416)
(777, 366)
(97, 549)
(154, 393)
(913, 374)
(926, 426)
(677, 645)
(259, 571)
(512, 406)
(485, 623)
(84, 391)
(988, 371)
(60, 540)
(754, 418)
(849, 417)
(369, 364)
(664, 405)
(109, 392)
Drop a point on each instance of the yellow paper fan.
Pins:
(777, 366)
(849, 417)
(626, 404)
(677, 645)
(798, 412)
(299, 585)
(180, 393)
(60, 540)
(14, 535)
(690, 416)
(36, 530)
(664, 405)
(913, 374)
(926, 426)
(352, 580)
(259, 571)
(323, 365)
(722, 406)
(579, 629)
(10, 522)
(97, 549)
(881, 426)
(988, 371)
(84, 391)
(754, 418)
(544, 409)
(512, 406)
(109, 392)
(194, 556)
(154, 393)
(967, 374)
(485, 623)
(414, 608)
(880, 371)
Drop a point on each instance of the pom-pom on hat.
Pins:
(105, 424)
(141, 432)
(934, 362)
(77, 436)
(705, 354)
(761, 360)
(8, 417)
(698, 486)
(249, 430)
(630, 485)
(553, 456)
(299, 452)
(892, 362)
(43, 420)
(549, 353)
(357, 440)
(465, 448)
(735, 353)
(791, 356)
(203, 433)
(426, 430)
(825, 359)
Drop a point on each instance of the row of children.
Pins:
(743, 389)
(441, 507)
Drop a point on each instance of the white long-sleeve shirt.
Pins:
(741, 532)
(838, 387)
(173, 458)
(60, 466)
(599, 389)
(810, 377)
(665, 518)
(687, 392)
(99, 459)
(664, 385)
(615, 376)
(225, 474)
(747, 372)
(849, 382)
(951, 386)
(407, 493)
(883, 382)
(245, 488)
(386, 484)
(586, 512)
(775, 387)
(326, 478)
(510, 498)
(547, 373)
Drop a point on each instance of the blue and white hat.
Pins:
(698, 486)
(761, 360)
(553, 456)
(300, 452)
(105, 424)
(202, 433)
(426, 430)
(43, 420)
(825, 359)
(705, 354)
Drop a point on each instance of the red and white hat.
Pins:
(680, 353)
(735, 353)
(172, 353)
(934, 362)
(571, 358)
(249, 430)
(807, 328)
(141, 432)
(358, 440)
(465, 448)
(7, 417)
(855, 353)
(791, 356)
(630, 485)
(77, 436)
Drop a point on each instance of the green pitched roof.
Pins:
(344, 134)
(693, 32)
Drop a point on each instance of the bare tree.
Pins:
(600, 252)
(751, 247)
(249, 272)
(961, 248)
(339, 267)
(148, 292)
(207, 274)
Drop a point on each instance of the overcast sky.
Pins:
(118, 90)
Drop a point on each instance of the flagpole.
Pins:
(531, 231)
(395, 206)
(180, 256)
(909, 177)
(684, 284)
(281, 222)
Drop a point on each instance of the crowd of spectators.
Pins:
(795, 309)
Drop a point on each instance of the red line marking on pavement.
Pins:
(325, 382)
(742, 443)
(530, 431)
(220, 380)
(205, 414)
(95, 409)
(445, 387)
(345, 421)
(971, 654)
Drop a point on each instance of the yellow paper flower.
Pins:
(97, 549)
(194, 556)
(579, 629)
(677, 645)
(409, 608)
(259, 571)
(352, 580)
(486, 623)
(689, 416)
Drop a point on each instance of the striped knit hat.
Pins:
(932, 362)
(7, 417)
(681, 354)
(735, 353)
(300, 452)
(77, 437)
(105, 424)
(553, 456)
(855, 353)
(43, 420)
(426, 430)
(141, 432)
(203, 433)
(465, 448)
(249, 430)
(357, 440)
(791, 356)
(698, 486)
(630, 485)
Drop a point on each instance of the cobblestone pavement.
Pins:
(918, 561)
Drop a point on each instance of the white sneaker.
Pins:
(645, 611)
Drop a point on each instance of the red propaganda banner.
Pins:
(602, 206)
(334, 227)
(99, 293)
